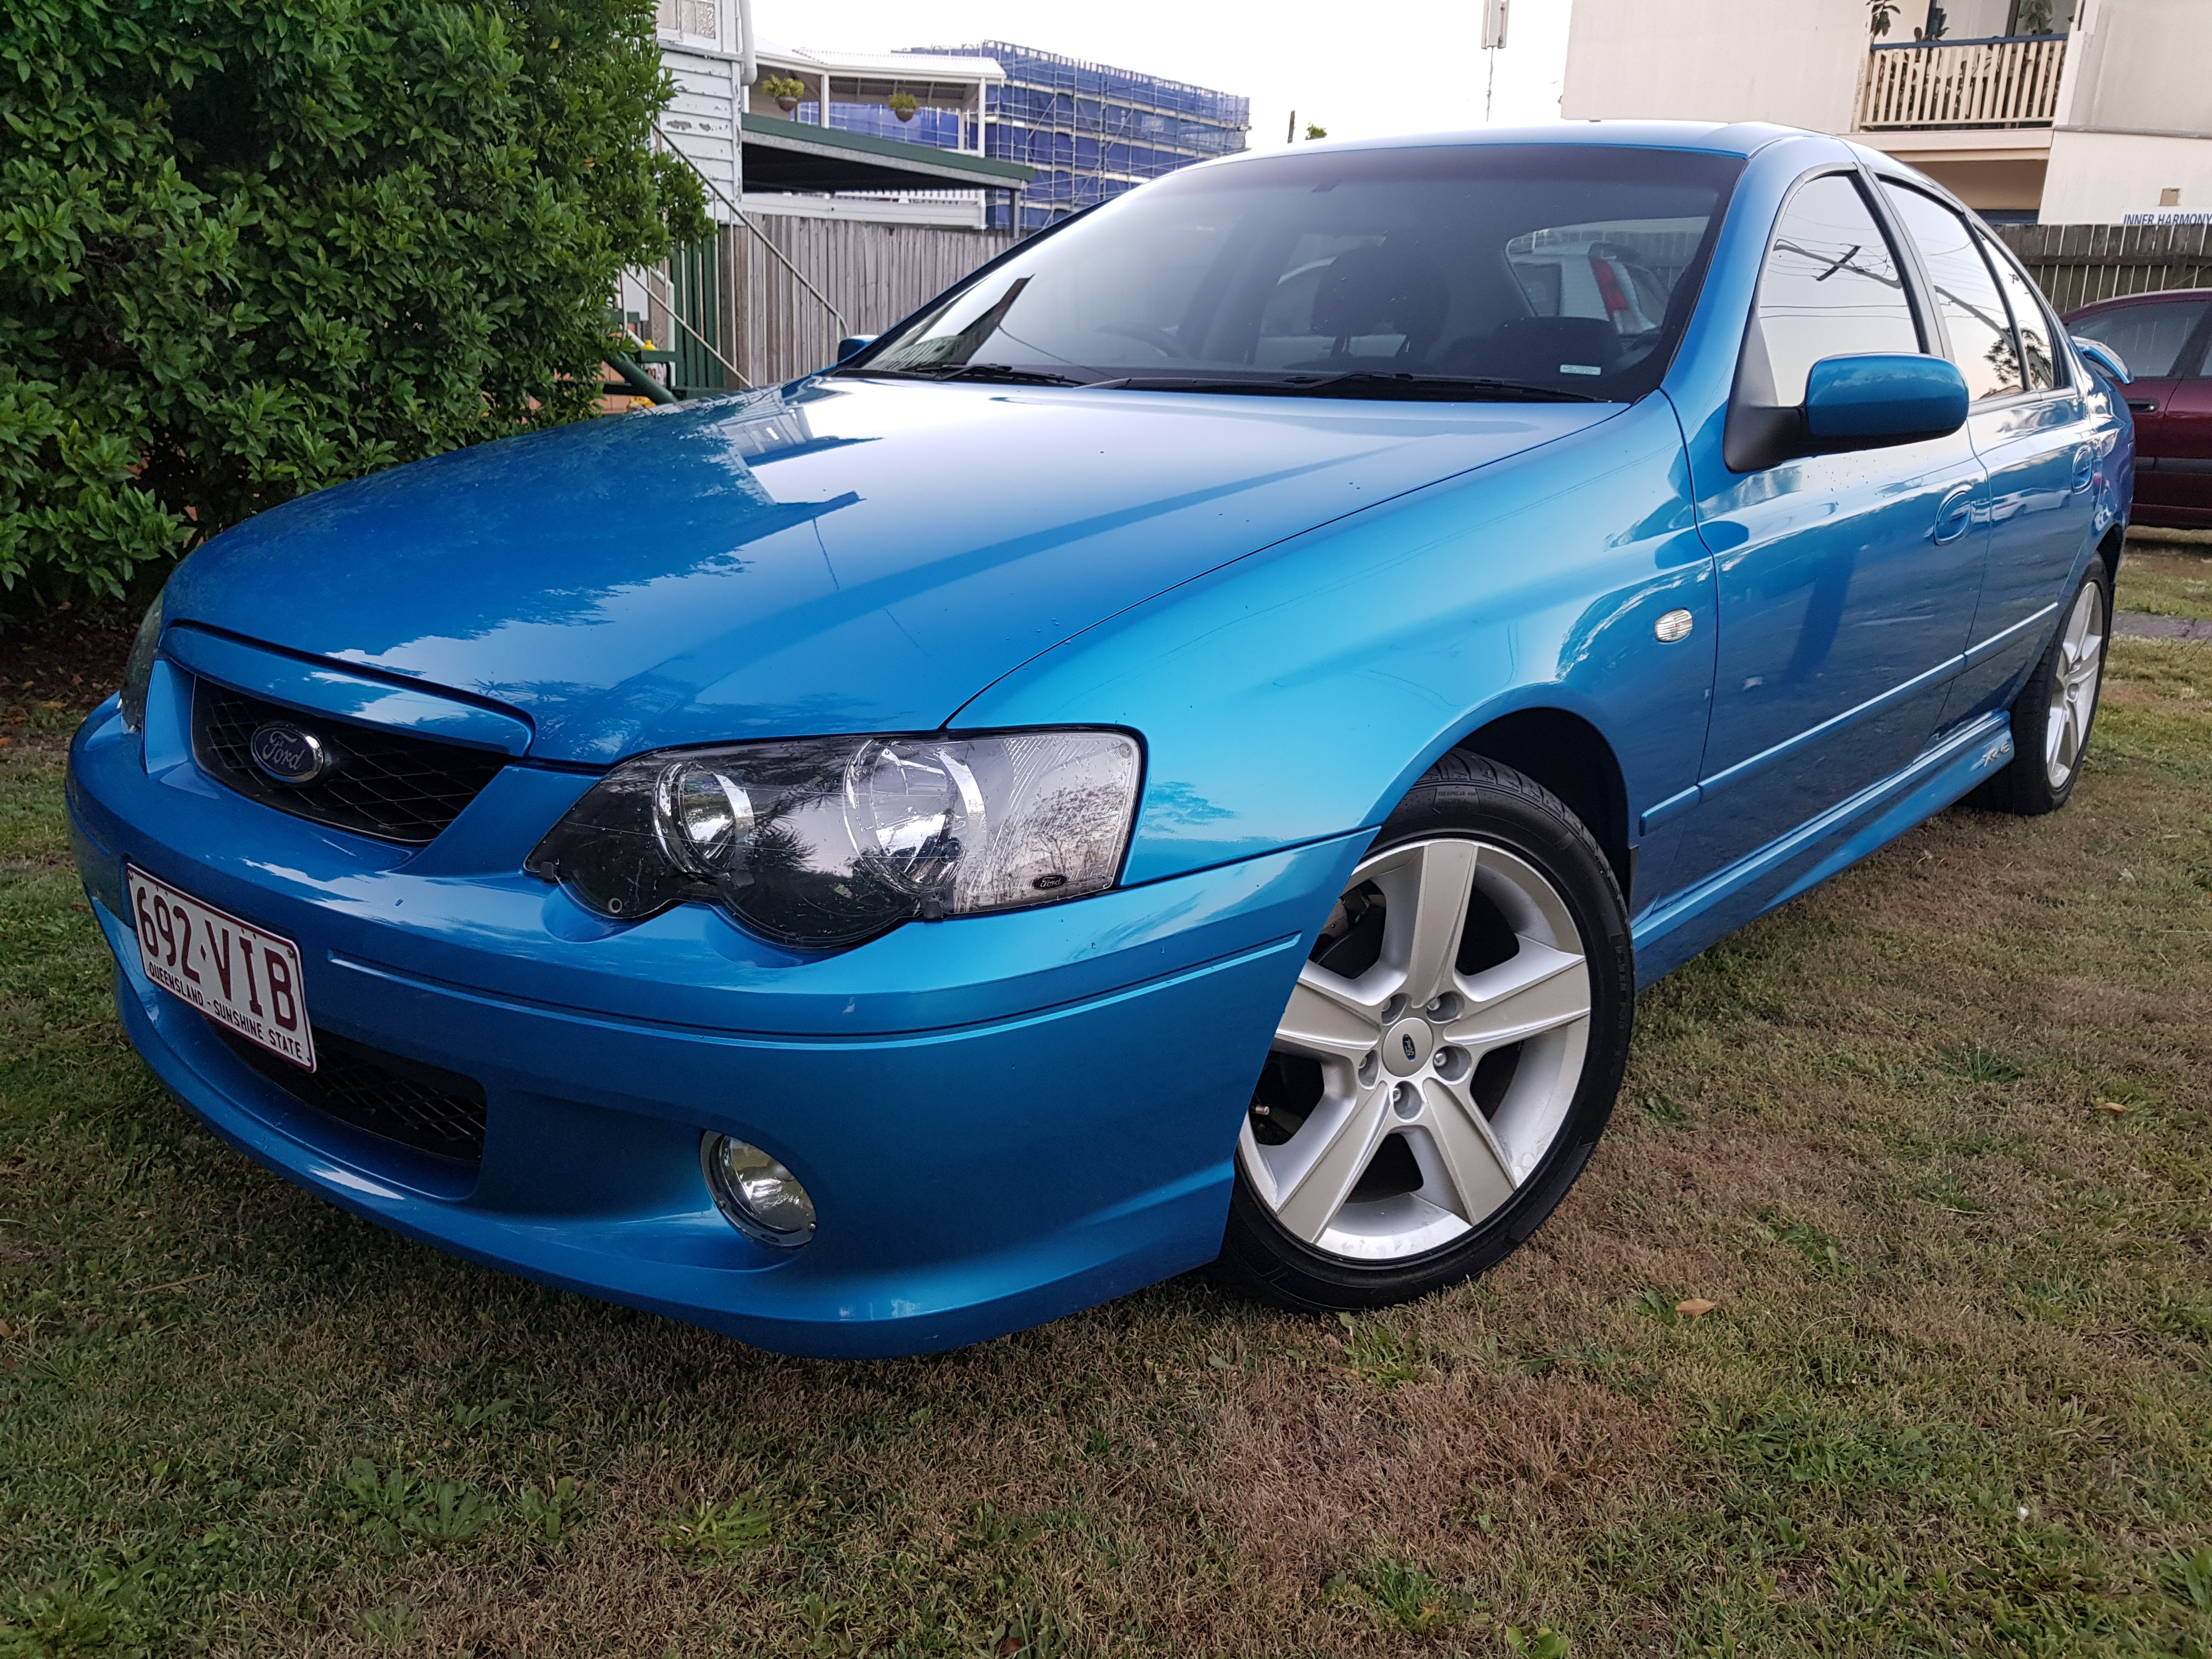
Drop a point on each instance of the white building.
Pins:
(841, 150)
(702, 46)
(890, 144)
(850, 93)
(2103, 117)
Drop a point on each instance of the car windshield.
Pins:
(1496, 270)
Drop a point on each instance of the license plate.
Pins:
(245, 976)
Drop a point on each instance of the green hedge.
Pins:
(251, 247)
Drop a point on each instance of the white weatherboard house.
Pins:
(702, 47)
(2057, 111)
(837, 214)
(841, 151)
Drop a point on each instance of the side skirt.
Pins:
(1669, 932)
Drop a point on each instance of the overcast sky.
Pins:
(1387, 66)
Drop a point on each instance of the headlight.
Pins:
(139, 667)
(832, 841)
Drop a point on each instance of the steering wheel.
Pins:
(1151, 335)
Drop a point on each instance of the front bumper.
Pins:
(1001, 1119)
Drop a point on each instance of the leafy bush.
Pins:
(251, 247)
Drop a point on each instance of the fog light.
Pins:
(758, 1196)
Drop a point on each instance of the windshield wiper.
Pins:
(1363, 383)
(999, 373)
(1011, 376)
(1350, 383)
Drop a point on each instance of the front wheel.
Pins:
(2053, 714)
(1449, 1055)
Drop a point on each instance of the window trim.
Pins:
(2069, 383)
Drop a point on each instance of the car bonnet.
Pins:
(845, 555)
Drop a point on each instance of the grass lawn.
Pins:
(2165, 578)
(1933, 1141)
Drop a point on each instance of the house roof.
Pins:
(780, 155)
(898, 65)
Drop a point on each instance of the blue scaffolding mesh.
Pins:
(1093, 131)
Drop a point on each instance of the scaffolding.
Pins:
(1093, 131)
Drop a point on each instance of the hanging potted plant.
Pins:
(902, 105)
(786, 89)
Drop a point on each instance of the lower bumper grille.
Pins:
(434, 1111)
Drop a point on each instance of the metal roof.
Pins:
(780, 155)
(895, 64)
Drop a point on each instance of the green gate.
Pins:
(695, 280)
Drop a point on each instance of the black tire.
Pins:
(1465, 795)
(2027, 787)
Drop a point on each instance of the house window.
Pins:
(2040, 17)
(698, 20)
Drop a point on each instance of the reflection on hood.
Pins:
(839, 556)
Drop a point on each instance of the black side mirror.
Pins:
(1872, 401)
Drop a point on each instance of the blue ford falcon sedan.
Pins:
(1180, 753)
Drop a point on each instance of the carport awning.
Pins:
(793, 156)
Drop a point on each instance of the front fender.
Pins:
(1297, 694)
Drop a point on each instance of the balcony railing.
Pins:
(2009, 82)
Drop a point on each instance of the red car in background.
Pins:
(2166, 341)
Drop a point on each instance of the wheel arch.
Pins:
(1571, 757)
(2109, 549)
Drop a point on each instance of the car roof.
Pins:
(2150, 298)
(1744, 138)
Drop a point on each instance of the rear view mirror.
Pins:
(1873, 401)
(852, 343)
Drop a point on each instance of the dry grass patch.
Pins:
(1932, 1142)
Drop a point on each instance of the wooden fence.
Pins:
(2076, 264)
(872, 274)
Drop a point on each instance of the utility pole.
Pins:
(1291, 132)
(1493, 42)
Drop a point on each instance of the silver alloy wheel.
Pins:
(1472, 1072)
(2074, 685)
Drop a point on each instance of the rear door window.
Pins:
(2039, 364)
(1966, 296)
(1831, 287)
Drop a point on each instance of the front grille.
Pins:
(432, 1110)
(385, 784)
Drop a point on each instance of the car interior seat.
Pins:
(1367, 291)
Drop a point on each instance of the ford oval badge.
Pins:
(288, 754)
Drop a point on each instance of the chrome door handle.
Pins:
(1955, 517)
(2143, 405)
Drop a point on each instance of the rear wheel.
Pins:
(2052, 717)
(1448, 1057)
